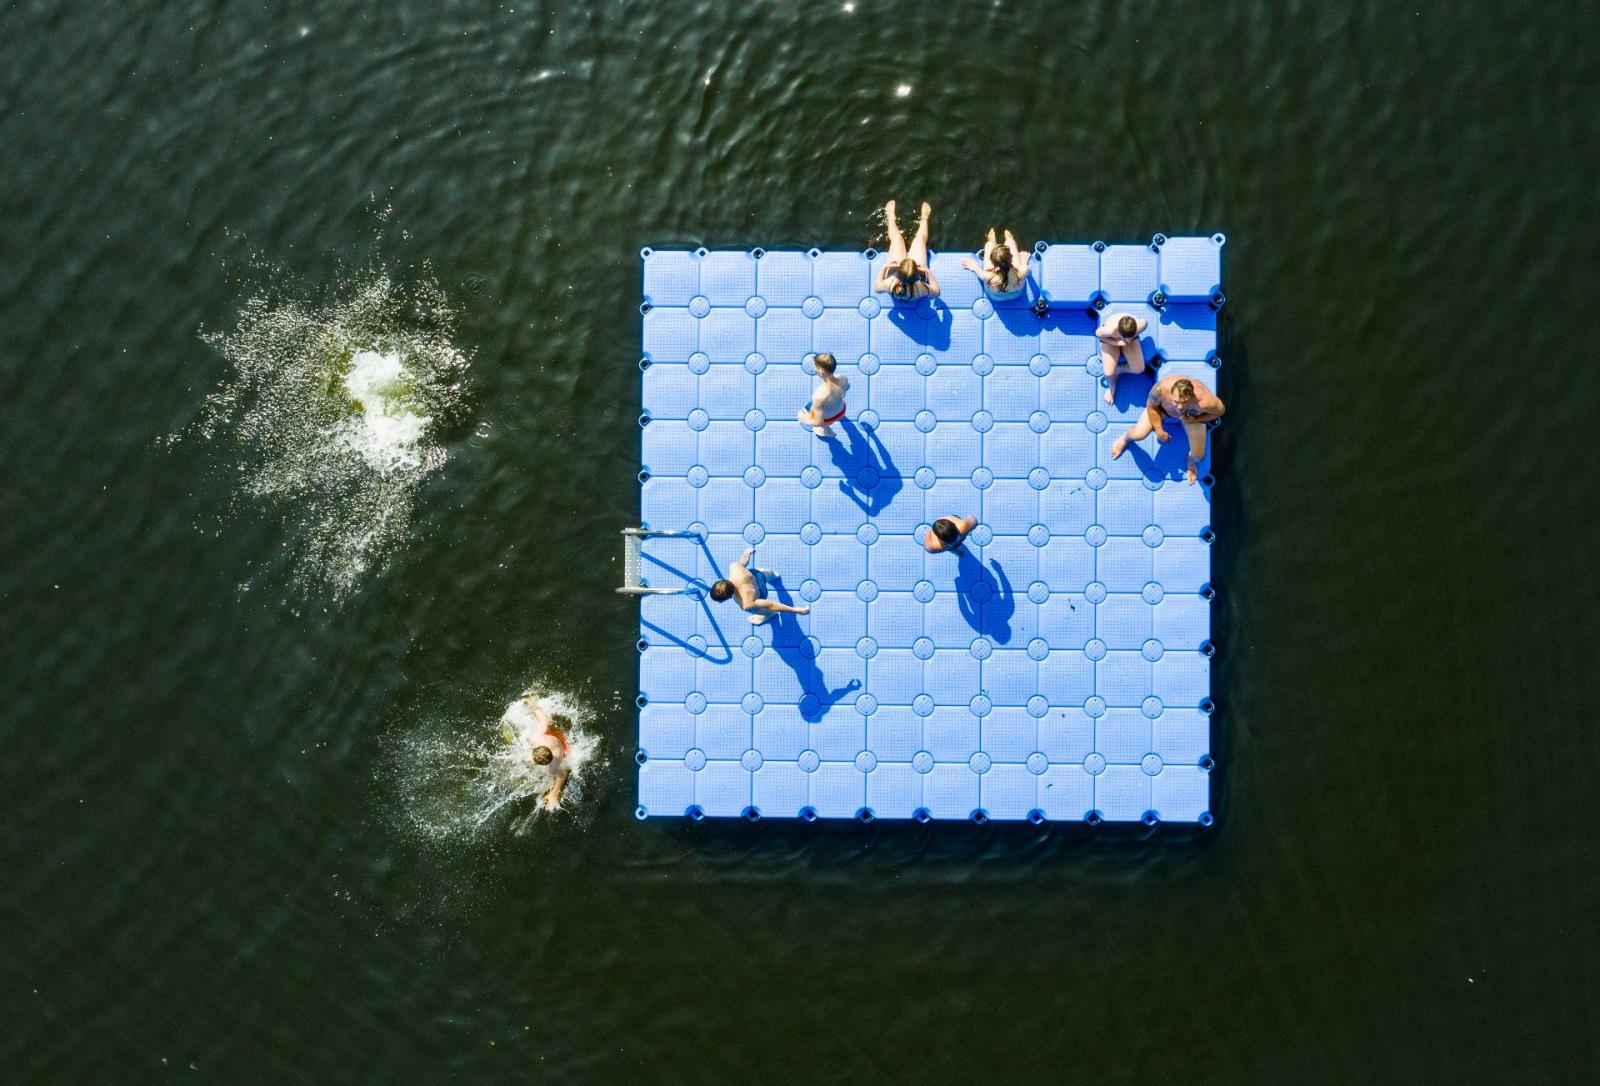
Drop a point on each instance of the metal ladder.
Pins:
(632, 560)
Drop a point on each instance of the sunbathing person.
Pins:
(907, 277)
(826, 406)
(749, 586)
(1004, 270)
(946, 533)
(1120, 351)
(1182, 398)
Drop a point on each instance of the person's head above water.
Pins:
(1183, 390)
(825, 363)
(1127, 327)
(947, 530)
(722, 590)
(542, 755)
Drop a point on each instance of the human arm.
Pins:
(933, 284)
(1158, 421)
(885, 282)
(749, 553)
(553, 797)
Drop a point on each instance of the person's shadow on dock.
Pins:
(790, 643)
(699, 651)
(927, 323)
(870, 478)
(986, 600)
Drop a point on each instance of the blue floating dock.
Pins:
(1058, 670)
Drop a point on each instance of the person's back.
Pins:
(1004, 270)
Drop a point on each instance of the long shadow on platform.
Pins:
(870, 478)
(789, 642)
(927, 323)
(1171, 459)
(986, 600)
(700, 597)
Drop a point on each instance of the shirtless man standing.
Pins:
(827, 402)
(749, 587)
(1182, 398)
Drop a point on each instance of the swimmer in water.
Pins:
(1004, 268)
(946, 533)
(749, 587)
(827, 402)
(907, 277)
(1182, 398)
(549, 748)
(1120, 351)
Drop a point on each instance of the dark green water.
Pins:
(211, 856)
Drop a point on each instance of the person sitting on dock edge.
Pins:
(826, 406)
(1176, 397)
(907, 277)
(749, 586)
(1004, 270)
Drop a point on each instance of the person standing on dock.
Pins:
(749, 586)
(1176, 397)
(1004, 270)
(827, 402)
(946, 533)
(907, 277)
(1120, 351)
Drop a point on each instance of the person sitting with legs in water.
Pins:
(549, 749)
(1120, 351)
(1004, 269)
(749, 586)
(907, 277)
(827, 402)
(946, 533)
(1182, 398)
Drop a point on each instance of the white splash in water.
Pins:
(330, 417)
(387, 434)
(483, 779)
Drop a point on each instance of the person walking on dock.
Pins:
(946, 533)
(826, 406)
(1176, 397)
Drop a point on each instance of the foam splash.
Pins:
(332, 415)
(481, 780)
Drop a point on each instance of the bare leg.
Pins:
(897, 240)
(1137, 432)
(1011, 243)
(1109, 357)
(919, 244)
(1197, 448)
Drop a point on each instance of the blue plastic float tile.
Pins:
(1058, 665)
(1191, 268)
(1069, 273)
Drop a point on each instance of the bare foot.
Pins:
(888, 211)
(927, 209)
(803, 418)
(1118, 446)
(1188, 475)
(822, 431)
(806, 610)
(1111, 397)
(1162, 435)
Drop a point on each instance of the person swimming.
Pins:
(549, 749)
(826, 406)
(906, 276)
(749, 587)
(1004, 270)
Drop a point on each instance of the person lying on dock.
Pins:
(1182, 398)
(826, 406)
(907, 277)
(946, 533)
(1002, 271)
(748, 585)
(1120, 351)
(549, 750)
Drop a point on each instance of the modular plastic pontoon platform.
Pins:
(1058, 669)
